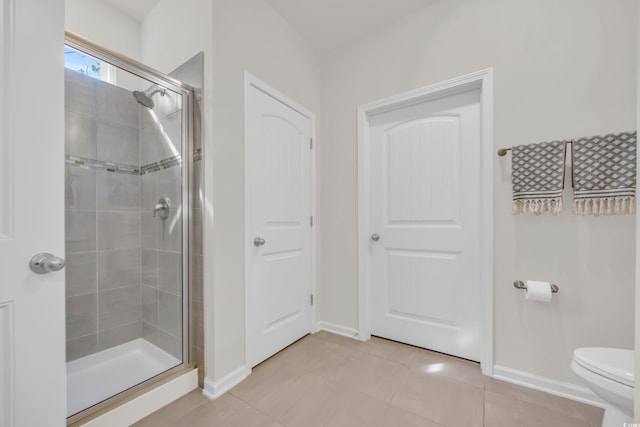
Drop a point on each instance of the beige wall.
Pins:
(174, 31)
(105, 25)
(562, 69)
(247, 35)
(109, 27)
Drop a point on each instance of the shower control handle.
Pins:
(45, 262)
(259, 241)
(162, 208)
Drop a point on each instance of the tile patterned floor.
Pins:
(329, 380)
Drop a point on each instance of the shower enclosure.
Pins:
(129, 146)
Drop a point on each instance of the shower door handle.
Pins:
(45, 262)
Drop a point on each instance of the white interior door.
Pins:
(425, 224)
(32, 321)
(279, 212)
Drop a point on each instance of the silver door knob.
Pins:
(375, 237)
(258, 241)
(45, 262)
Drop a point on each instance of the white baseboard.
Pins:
(557, 388)
(146, 404)
(338, 330)
(215, 389)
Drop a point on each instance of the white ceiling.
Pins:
(327, 24)
(137, 9)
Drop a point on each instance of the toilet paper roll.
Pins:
(538, 291)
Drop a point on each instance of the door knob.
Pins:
(375, 237)
(258, 241)
(44, 263)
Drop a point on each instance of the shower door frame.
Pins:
(188, 97)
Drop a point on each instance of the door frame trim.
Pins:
(482, 80)
(252, 81)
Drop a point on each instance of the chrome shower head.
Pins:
(145, 99)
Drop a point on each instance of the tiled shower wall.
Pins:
(123, 265)
(103, 230)
(160, 137)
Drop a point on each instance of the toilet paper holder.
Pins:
(521, 285)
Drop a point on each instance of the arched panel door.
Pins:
(279, 271)
(425, 225)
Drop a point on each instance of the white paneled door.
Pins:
(424, 215)
(279, 275)
(32, 321)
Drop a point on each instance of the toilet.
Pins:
(608, 372)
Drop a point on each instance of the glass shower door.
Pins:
(126, 254)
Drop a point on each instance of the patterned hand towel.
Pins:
(604, 174)
(538, 177)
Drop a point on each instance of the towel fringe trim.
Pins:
(537, 206)
(605, 206)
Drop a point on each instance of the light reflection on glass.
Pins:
(163, 133)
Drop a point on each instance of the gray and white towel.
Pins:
(538, 177)
(604, 174)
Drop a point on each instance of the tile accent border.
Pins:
(85, 163)
(167, 163)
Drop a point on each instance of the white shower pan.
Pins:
(94, 378)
